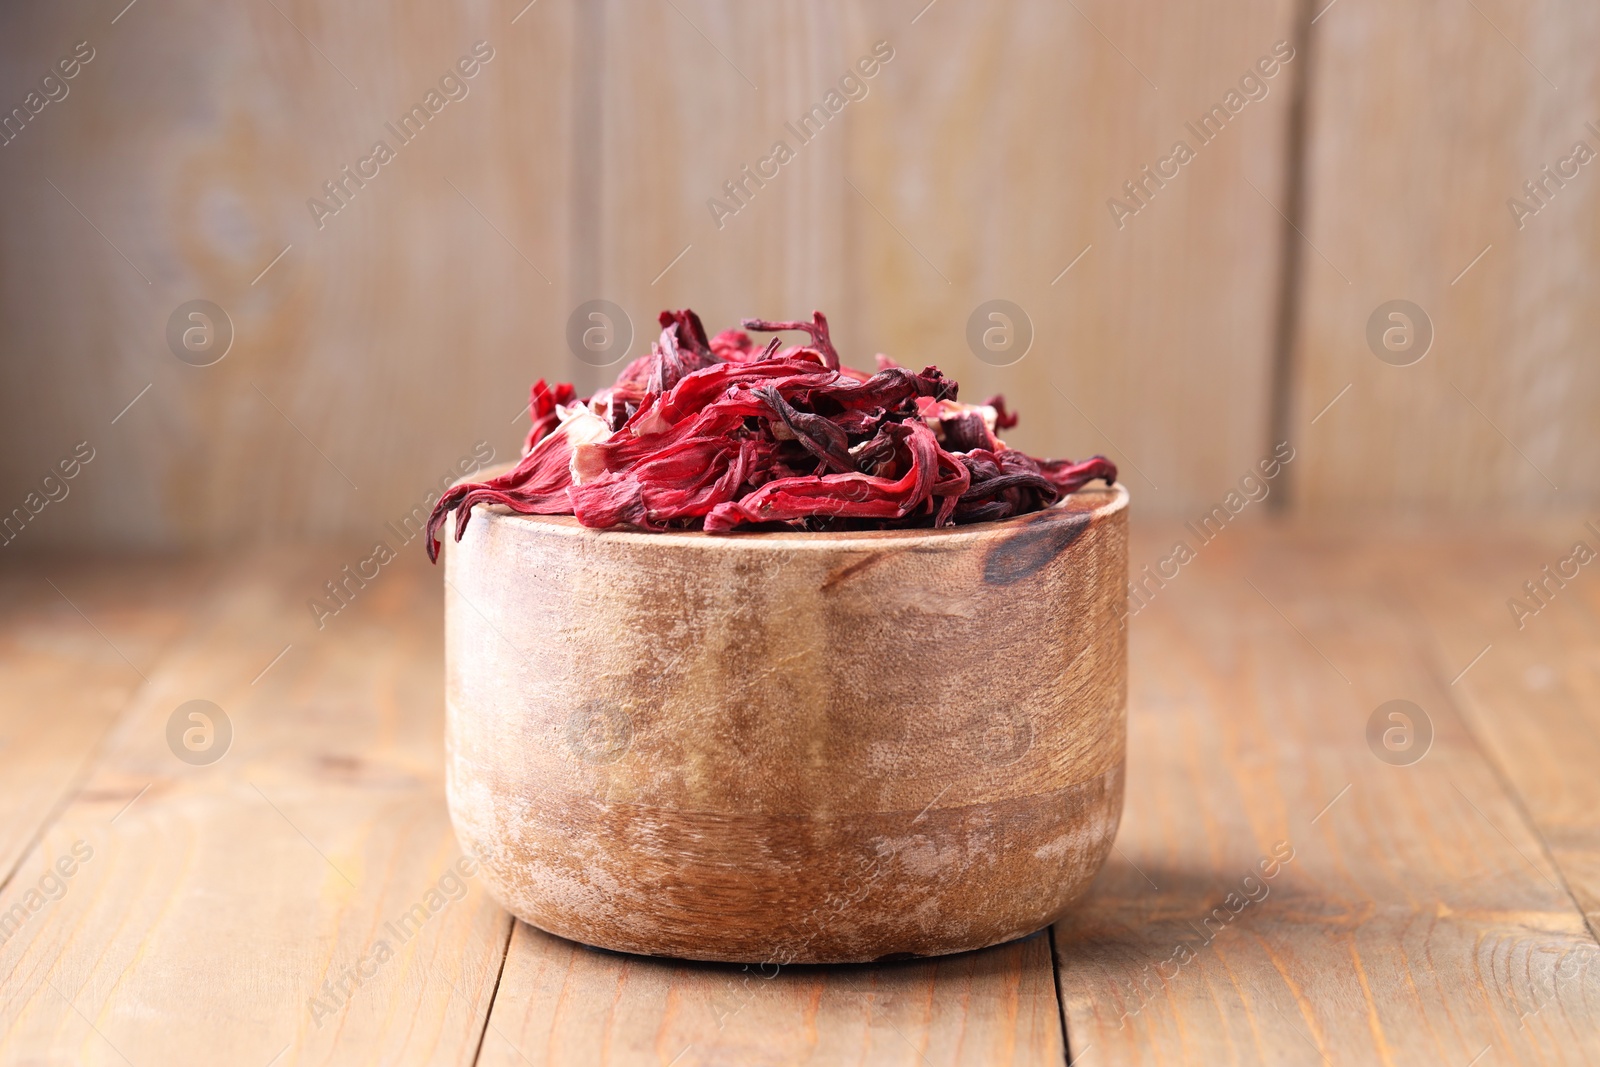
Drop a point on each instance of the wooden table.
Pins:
(231, 912)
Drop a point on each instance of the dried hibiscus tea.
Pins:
(723, 434)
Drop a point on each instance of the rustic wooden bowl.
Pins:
(789, 748)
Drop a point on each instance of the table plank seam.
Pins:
(494, 994)
(1061, 1000)
(1512, 794)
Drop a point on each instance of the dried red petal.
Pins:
(817, 328)
(1069, 477)
(851, 495)
(682, 482)
(1004, 419)
(686, 330)
(718, 435)
(734, 346)
(542, 403)
(537, 485)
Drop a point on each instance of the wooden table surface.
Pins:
(252, 910)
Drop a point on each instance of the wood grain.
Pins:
(211, 912)
(973, 170)
(580, 167)
(191, 145)
(985, 166)
(1530, 698)
(974, 167)
(76, 640)
(778, 748)
(1427, 914)
(561, 1003)
(688, 95)
(1418, 921)
(1425, 120)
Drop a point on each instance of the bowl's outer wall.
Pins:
(774, 748)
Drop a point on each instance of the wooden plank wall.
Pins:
(1425, 120)
(371, 359)
(373, 356)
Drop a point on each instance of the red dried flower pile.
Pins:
(724, 435)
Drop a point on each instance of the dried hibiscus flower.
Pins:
(720, 434)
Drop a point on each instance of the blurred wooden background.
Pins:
(370, 359)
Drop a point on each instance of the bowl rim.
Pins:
(1086, 504)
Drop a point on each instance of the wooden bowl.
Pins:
(789, 748)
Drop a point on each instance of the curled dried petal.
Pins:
(542, 404)
(817, 328)
(716, 434)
